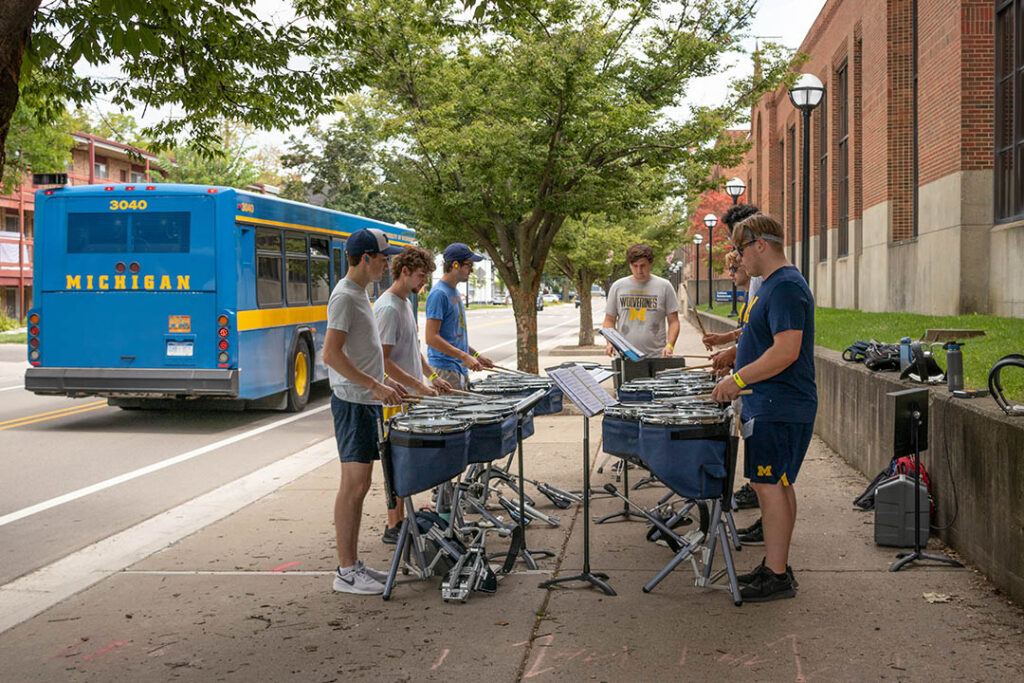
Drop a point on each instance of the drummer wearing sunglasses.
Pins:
(775, 359)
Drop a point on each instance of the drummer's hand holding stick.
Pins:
(712, 340)
(387, 394)
(472, 363)
(484, 360)
(442, 386)
(722, 361)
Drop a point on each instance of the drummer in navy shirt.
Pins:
(775, 359)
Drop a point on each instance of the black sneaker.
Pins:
(754, 537)
(768, 585)
(746, 579)
(390, 535)
(745, 498)
(750, 529)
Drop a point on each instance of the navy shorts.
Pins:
(355, 428)
(775, 451)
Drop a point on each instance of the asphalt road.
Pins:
(76, 470)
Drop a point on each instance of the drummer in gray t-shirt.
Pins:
(403, 360)
(352, 352)
(640, 305)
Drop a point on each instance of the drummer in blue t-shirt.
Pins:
(775, 359)
(448, 349)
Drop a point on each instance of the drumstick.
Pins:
(697, 367)
(517, 372)
(743, 392)
(699, 323)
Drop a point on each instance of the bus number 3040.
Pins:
(125, 205)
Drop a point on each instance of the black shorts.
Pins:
(355, 428)
(775, 451)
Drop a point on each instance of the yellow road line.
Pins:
(52, 415)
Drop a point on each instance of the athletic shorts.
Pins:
(457, 379)
(355, 428)
(775, 451)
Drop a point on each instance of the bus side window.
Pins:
(339, 271)
(319, 266)
(296, 252)
(269, 286)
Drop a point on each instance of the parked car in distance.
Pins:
(551, 298)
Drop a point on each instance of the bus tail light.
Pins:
(33, 318)
(34, 352)
(223, 344)
(134, 267)
(34, 330)
(119, 267)
(222, 358)
(34, 356)
(34, 342)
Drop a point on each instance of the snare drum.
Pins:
(686, 450)
(426, 452)
(492, 431)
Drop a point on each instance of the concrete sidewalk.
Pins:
(249, 598)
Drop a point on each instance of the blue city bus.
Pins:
(154, 294)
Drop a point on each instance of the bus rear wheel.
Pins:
(300, 367)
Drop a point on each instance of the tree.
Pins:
(34, 142)
(502, 129)
(210, 60)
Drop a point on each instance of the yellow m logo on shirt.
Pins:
(637, 313)
(745, 314)
(764, 470)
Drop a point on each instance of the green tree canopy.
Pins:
(199, 61)
(502, 129)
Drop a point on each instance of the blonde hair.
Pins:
(757, 226)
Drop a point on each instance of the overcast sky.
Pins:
(781, 21)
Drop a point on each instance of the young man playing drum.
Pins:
(775, 359)
(403, 360)
(448, 349)
(352, 352)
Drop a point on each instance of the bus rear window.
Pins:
(144, 233)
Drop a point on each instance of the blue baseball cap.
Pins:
(370, 241)
(460, 252)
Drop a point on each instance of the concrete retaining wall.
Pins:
(975, 459)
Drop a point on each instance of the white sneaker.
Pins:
(357, 581)
(372, 573)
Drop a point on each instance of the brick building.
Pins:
(93, 160)
(924, 101)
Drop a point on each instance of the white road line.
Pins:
(16, 386)
(539, 332)
(149, 469)
(26, 597)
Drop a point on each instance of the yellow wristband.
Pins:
(670, 347)
(739, 380)
(433, 375)
(476, 355)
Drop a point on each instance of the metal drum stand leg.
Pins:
(625, 513)
(525, 554)
(596, 579)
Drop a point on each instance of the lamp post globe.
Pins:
(734, 188)
(710, 220)
(806, 94)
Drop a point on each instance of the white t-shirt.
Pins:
(397, 324)
(640, 310)
(349, 310)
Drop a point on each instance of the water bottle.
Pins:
(954, 366)
(905, 357)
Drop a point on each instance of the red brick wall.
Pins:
(977, 69)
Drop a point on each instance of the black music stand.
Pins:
(910, 435)
(525, 554)
(579, 386)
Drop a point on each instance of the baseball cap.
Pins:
(460, 252)
(370, 241)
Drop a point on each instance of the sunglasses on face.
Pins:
(740, 248)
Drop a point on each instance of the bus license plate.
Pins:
(179, 349)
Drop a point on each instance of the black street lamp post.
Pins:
(734, 188)
(698, 240)
(805, 95)
(710, 220)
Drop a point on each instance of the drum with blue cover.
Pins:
(686, 450)
(492, 431)
(426, 452)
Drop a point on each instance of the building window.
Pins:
(100, 167)
(138, 177)
(782, 186)
(791, 181)
(842, 163)
(822, 180)
(1009, 161)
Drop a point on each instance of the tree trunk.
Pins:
(524, 306)
(15, 26)
(584, 281)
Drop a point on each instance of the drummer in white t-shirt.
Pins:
(403, 360)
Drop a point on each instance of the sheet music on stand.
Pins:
(581, 388)
(620, 343)
(601, 373)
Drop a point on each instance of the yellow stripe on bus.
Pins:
(399, 240)
(276, 317)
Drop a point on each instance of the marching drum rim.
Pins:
(400, 424)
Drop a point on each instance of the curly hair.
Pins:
(412, 258)
(737, 213)
(639, 251)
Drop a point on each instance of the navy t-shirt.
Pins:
(783, 302)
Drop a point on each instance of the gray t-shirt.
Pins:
(640, 310)
(349, 310)
(397, 325)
